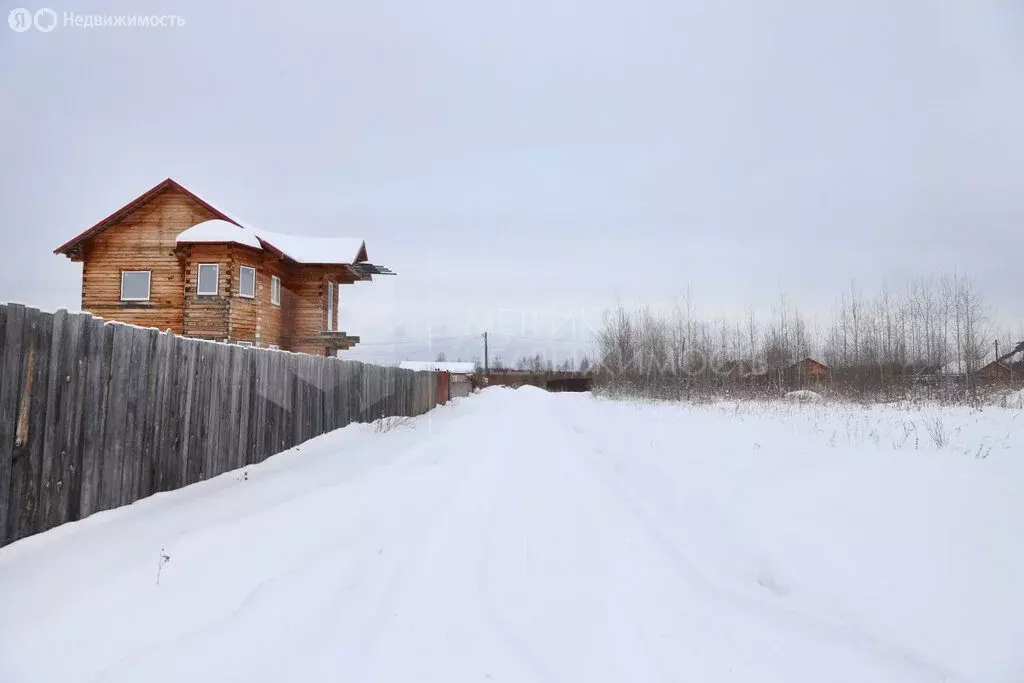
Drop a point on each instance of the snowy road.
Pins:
(522, 536)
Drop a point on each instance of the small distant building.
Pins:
(996, 372)
(460, 374)
(745, 372)
(455, 368)
(806, 372)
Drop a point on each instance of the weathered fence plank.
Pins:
(258, 408)
(241, 382)
(24, 485)
(155, 377)
(69, 434)
(100, 349)
(189, 472)
(17, 360)
(135, 414)
(158, 418)
(8, 358)
(116, 411)
(51, 447)
(200, 414)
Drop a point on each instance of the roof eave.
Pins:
(224, 243)
(120, 213)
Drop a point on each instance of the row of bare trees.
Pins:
(543, 363)
(925, 327)
(926, 330)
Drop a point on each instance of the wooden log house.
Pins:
(805, 373)
(171, 260)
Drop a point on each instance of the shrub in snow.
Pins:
(389, 424)
(937, 431)
(1014, 399)
(164, 559)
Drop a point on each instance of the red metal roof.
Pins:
(169, 183)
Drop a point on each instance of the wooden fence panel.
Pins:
(201, 414)
(51, 448)
(99, 352)
(241, 385)
(30, 416)
(258, 441)
(135, 416)
(73, 375)
(109, 489)
(27, 382)
(187, 400)
(154, 381)
(160, 421)
(270, 402)
(94, 415)
(11, 321)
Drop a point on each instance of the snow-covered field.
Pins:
(525, 536)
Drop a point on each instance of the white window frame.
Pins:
(273, 347)
(330, 306)
(275, 290)
(216, 279)
(242, 294)
(149, 284)
(247, 344)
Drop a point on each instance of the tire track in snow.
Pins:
(326, 570)
(790, 618)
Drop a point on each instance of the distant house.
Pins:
(171, 260)
(455, 368)
(745, 372)
(460, 375)
(804, 372)
(996, 372)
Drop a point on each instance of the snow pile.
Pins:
(526, 536)
(804, 396)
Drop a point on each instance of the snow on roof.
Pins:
(230, 216)
(439, 366)
(217, 230)
(334, 250)
(314, 249)
(230, 228)
(301, 249)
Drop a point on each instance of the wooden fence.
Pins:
(95, 414)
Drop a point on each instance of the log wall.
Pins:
(142, 240)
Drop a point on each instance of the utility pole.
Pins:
(486, 367)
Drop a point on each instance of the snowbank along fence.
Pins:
(95, 414)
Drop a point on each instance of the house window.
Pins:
(135, 285)
(273, 347)
(275, 290)
(245, 343)
(206, 281)
(330, 306)
(247, 282)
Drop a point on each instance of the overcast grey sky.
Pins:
(536, 160)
